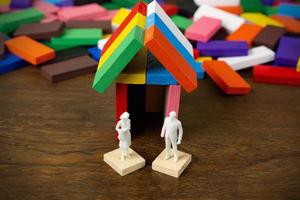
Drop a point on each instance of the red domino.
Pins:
(170, 9)
(196, 53)
(276, 74)
(121, 100)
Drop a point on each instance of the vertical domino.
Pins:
(173, 99)
(288, 51)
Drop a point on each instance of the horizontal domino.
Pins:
(173, 99)
(247, 32)
(84, 12)
(276, 75)
(45, 7)
(203, 29)
(30, 50)
(10, 21)
(220, 48)
(111, 68)
(95, 52)
(163, 50)
(289, 9)
(67, 54)
(20, 4)
(105, 25)
(252, 6)
(230, 21)
(204, 58)
(218, 2)
(41, 31)
(78, 36)
(256, 56)
(170, 9)
(61, 3)
(236, 10)
(226, 78)
(49, 18)
(2, 47)
(11, 62)
(290, 23)
(261, 19)
(269, 36)
(181, 22)
(108, 17)
(288, 51)
(69, 68)
(154, 7)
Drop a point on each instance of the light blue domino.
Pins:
(95, 53)
(292, 10)
(11, 62)
(199, 70)
(154, 19)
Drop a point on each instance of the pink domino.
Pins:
(203, 29)
(109, 16)
(49, 18)
(45, 7)
(173, 99)
(85, 12)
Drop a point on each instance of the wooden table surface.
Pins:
(53, 137)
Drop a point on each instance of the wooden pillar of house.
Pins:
(173, 99)
(121, 100)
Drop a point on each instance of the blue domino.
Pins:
(292, 10)
(10, 62)
(154, 19)
(95, 53)
(199, 70)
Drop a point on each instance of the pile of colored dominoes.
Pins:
(154, 43)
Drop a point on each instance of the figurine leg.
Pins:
(127, 154)
(174, 146)
(122, 154)
(168, 145)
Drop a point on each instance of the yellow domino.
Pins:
(202, 59)
(120, 16)
(104, 36)
(260, 19)
(135, 71)
(4, 2)
(298, 65)
(137, 20)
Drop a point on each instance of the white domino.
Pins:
(101, 43)
(218, 2)
(154, 7)
(230, 21)
(256, 56)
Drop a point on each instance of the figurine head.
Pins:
(172, 114)
(125, 115)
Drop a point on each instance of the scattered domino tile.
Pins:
(163, 50)
(119, 17)
(276, 75)
(113, 159)
(49, 18)
(252, 6)
(196, 53)
(230, 21)
(270, 10)
(135, 71)
(288, 51)
(45, 7)
(298, 65)
(157, 74)
(108, 17)
(85, 12)
(217, 48)
(101, 43)
(218, 2)
(226, 78)
(112, 67)
(105, 25)
(10, 62)
(268, 2)
(78, 37)
(256, 56)
(67, 54)
(95, 52)
(261, 19)
(10, 21)
(292, 10)
(204, 58)
(169, 167)
(247, 32)
(61, 3)
(58, 47)
(170, 9)
(236, 10)
(181, 22)
(139, 8)
(269, 36)
(2, 47)
(20, 4)
(30, 50)
(154, 8)
(173, 99)
(203, 29)
(41, 31)
(290, 23)
(69, 68)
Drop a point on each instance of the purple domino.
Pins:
(268, 2)
(288, 51)
(222, 48)
(20, 3)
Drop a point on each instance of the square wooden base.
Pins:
(130, 164)
(170, 167)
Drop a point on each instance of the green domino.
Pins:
(59, 47)
(80, 36)
(111, 6)
(252, 6)
(181, 22)
(11, 21)
(128, 3)
(119, 59)
(270, 10)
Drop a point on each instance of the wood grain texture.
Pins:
(53, 137)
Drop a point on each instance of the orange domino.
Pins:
(237, 10)
(170, 58)
(247, 32)
(290, 23)
(30, 50)
(226, 78)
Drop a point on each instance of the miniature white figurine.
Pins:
(124, 135)
(172, 126)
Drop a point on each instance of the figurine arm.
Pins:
(118, 126)
(180, 133)
(163, 130)
(128, 127)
